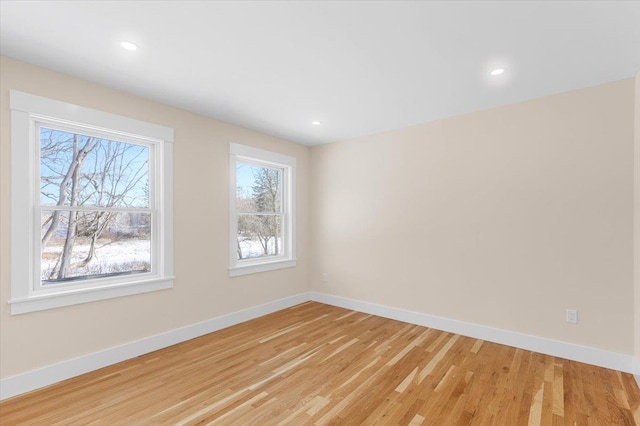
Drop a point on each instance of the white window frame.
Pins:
(287, 259)
(28, 112)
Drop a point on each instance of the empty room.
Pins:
(319, 213)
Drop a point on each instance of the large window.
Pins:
(91, 209)
(95, 206)
(262, 210)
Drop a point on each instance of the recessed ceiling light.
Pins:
(497, 71)
(316, 123)
(129, 45)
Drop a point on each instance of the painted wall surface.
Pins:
(202, 289)
(504, 217)
(636, 218)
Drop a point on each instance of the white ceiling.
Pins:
(358, 67)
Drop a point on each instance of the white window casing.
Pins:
(28, 112)
(254, 156)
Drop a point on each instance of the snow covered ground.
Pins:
(110, 257)
(252, 248)
(121, 256)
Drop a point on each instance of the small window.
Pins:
(91, 208)
(262, 210)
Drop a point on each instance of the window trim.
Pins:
(288, 259)
(26, 111)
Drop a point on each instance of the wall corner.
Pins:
(636, 224)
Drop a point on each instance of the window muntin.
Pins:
(262, 213)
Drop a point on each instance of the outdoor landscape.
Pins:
(259, 207)
(95, 207)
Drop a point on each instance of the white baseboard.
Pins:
(31, 380)
(571, 351)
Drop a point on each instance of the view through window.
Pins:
(95, 207)
(259, 209)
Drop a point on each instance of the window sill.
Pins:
(261, 267)
(66, 298)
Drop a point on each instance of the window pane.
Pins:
(80, 170)
(81, 245)
(258, 189)
(259, 236)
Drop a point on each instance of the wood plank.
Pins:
(318, 364)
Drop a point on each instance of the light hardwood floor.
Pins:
(318, 364)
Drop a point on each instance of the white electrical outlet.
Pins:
(325, 277)
(572, 316)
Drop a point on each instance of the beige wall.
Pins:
(503, 217)
(636, 217)
(203, 289)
